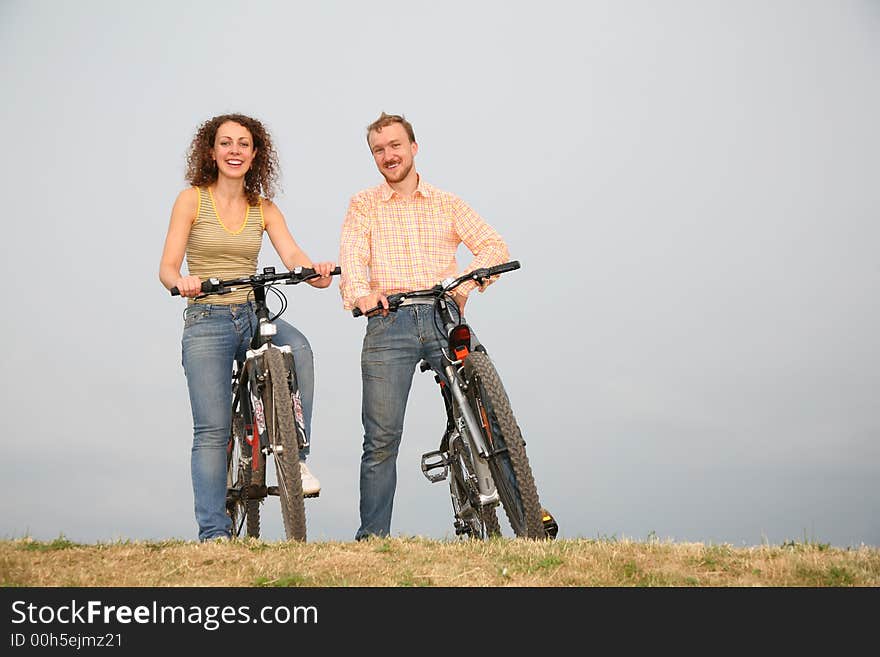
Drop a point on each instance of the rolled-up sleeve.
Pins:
(354, 254)
(487, 245)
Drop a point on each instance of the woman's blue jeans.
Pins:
(392, 348)
(213, 337)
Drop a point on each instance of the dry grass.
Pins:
(398, 562)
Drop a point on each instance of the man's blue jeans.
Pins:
(213, 337)
(392, 348)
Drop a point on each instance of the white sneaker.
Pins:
(311, 485)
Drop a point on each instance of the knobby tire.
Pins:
(510, 468)
(254, 474)
(243, 511)
(287, 468)
(490, 522)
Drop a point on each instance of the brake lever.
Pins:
(294, 281)
(481, 274)
(218, 292)
(300, 279)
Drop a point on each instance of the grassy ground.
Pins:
(399, 562)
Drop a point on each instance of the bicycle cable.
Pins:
(283, 299)
(437, 321)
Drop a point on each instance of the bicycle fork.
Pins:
(259, 372)
(474, 435)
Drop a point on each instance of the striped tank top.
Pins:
(214, 251)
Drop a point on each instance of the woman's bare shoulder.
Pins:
(271, 212)
(188, 196)
(187, 202)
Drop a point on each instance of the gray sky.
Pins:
(691, 188)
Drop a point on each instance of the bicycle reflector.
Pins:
(551, 529)
(460, 341)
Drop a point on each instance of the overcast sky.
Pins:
(691, 187)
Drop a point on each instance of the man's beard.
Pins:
(398, 174)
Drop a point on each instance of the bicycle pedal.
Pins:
(273, 490)
(429, 465)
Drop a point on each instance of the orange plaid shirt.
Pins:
(391, 244)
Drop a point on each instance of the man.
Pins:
(400, 236)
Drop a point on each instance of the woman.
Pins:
(218, 224)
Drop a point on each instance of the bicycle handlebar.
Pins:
(268, 277)
(478, 275)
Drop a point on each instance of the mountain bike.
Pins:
(267, 417)
(482, 452)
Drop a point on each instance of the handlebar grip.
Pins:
(393, 302)
(504, 267)
(209, 285)
(357, 311)
(336, 272)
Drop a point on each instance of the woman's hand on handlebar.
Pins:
(189, 286)
(324, 269)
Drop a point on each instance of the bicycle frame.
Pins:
(471, 486)
(459, 345)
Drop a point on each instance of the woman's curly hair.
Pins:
(260, 180)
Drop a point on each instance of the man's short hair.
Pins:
(389, 119)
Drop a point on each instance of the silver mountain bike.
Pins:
(482, 453)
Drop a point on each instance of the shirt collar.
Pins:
(423, 188)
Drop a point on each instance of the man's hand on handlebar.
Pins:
(371, 301)
(324, 269)
(189, 286)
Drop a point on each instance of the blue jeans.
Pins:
(213, 337)
(392, 348)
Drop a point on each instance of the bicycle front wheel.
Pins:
(285, 448)
(508, 461)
